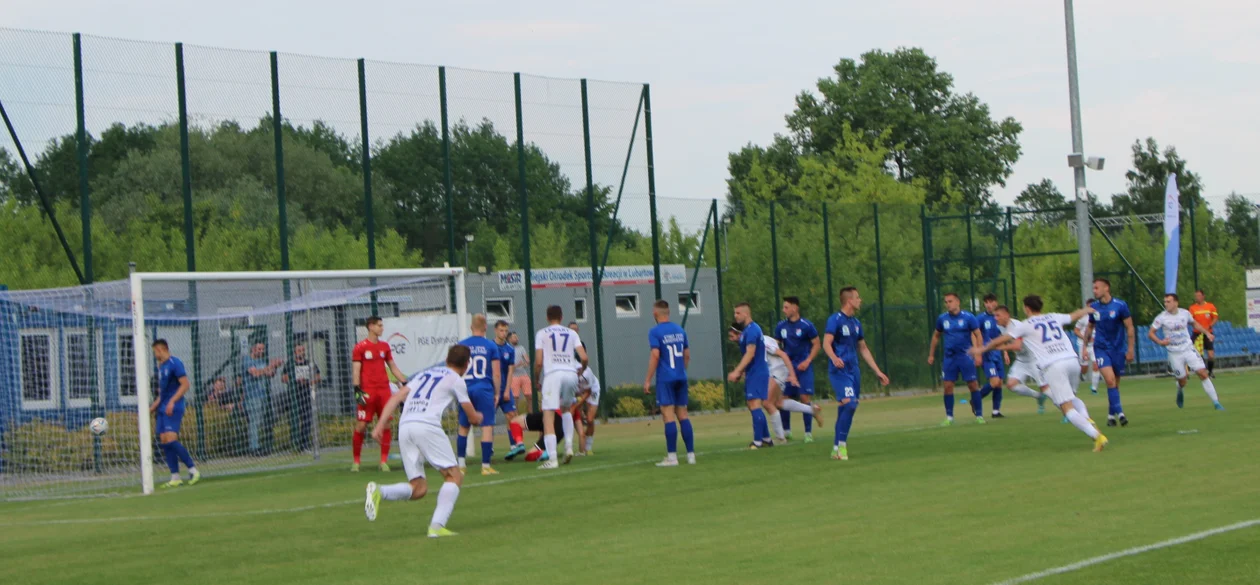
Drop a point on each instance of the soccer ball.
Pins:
(99, 426)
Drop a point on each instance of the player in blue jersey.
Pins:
(993, 363)
(1111, 328)
(507, 365)
(799, 340)
(169, 411)
(844, 342)
(755, 371)
(484, 384)
(961, 332)
(670, 354)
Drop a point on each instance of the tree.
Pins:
(1148, 180)
(1241, 221)
(944, 138)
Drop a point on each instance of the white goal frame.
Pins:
(143, 353)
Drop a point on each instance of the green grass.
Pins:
(915, 504)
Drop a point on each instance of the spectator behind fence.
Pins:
(226, 399)
(306, 376)
(257, 372)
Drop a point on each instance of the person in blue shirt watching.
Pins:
(798, 338)
(1111, 326)
(169, 410)
(753, 369)
(961, 331)
(844, 342)
(669, 354)
(993, 363)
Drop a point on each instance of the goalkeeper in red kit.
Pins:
(371, 386)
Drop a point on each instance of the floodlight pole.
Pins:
(1078, 172)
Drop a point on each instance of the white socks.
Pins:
(1079, 405)
(567, 420)
(1210, 388)
(1024, 390)
(776, 425)
(794, 406)
(176, 477)
(549, 441)
(1094, 378)
(461, 462)
(1079, 421)
(445, 504)
(396, 491)
(590, 442)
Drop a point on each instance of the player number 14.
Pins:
(675, 353)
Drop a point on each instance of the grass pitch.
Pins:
(915, 504)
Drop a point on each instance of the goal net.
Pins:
(267, 355)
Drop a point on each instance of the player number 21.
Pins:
(426, 380)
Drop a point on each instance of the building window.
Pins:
(579, 310)
(498, 309)
(627, 305)
(39, 379)
(83, 384)
(689, 302)
(126, 368)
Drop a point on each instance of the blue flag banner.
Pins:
(1172, 234)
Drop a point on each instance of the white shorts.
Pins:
(1022, 371)
(1061, 377)
(1181, 360)
(559, 390)
(780, 376)
(1087, 354)
(420, 442)
(593, 399)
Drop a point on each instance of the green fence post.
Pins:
(879, 279)
(369, 216)
(1194, 246)
(927, 273)
(85, 214)
(621, 188)
(277, 121)
(717, 257)
(1010, 244)
(774, 256)
(590, 224)
(695, 274)
(971, 267)
(651, 176)
(446, 171)
(190, 253)
(524, 199)
(831, 296)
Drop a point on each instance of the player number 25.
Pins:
(1046, 331)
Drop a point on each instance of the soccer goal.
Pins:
(267, 355)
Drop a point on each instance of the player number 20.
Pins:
(476, 368)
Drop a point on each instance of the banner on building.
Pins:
(513, 280)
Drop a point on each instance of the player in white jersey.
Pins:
(559, 359)
(588, 396)
(1085, 339)
(422, 439)
(1176, 322)
(781, 374)
(1024, 367)
(1044, 336)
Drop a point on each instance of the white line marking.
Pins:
(1130, 552)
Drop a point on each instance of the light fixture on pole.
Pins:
(468, 238)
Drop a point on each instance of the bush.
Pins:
(707, 395)
(629, 407)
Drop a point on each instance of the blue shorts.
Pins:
(507, 405)
(168, 424)
(1111, 358)
(671, 393)
(845, 385)
(806, 386)
(757, 386)
(484, 403)
(958, 365)
(993, 368)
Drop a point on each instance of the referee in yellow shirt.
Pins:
(1205, 313)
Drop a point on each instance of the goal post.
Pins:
(267, 355)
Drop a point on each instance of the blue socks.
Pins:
(949, 405)
(759, 423)
(487, 449)
(461, 446)
(671, 437)
(844, 421)
(977, 403)
(997, 398)
(809, 423)
(688, 440)
(172, 458)
(786, 417)
(182, 453)
(1113, 401)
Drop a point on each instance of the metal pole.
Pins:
(1010, 239)
(971, 267)
(774, 255)
(1194, 245)
(651, 176)
(831, 296)
(446, 169)
(590, 225)
(1082, 195)
(717, 256)
(81, 146)
(621, 188)
(369, 217)
(704, 239)
(525, 260)
(879, 279)
(277, 128)
(190, 253)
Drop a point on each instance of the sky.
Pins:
(724, 74)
